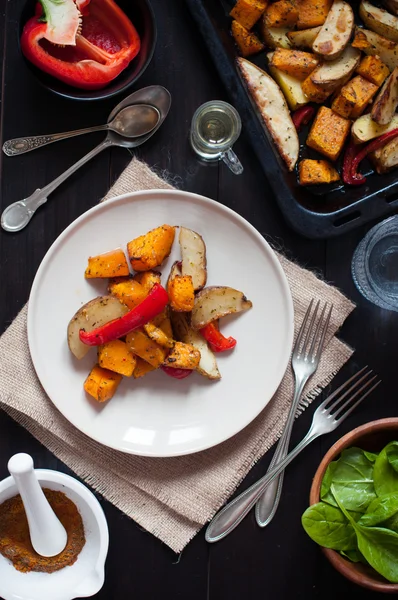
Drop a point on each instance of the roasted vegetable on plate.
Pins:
(321, 53)
(142, 326)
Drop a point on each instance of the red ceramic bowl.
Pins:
(373, 437)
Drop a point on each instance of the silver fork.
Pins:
(305, 360)
(327, 417)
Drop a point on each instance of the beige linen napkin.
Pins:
(173, 497)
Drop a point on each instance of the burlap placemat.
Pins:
(173, 497)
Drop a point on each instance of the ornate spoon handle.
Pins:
(21, 145)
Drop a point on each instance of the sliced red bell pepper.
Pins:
(85, 49)
(217, 341)
(177, 373)
(302, 116)
(152, 305)
(353, 157)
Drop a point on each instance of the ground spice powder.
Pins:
(15, 541)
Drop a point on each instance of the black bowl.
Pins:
(141, 15)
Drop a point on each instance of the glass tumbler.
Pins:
(215, 127)
(374, 264)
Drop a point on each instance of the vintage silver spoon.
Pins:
(132, 122)
(16, 216)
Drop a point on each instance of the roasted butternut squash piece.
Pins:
(117, 356)
(248, 42)
(102, 384)
(148, 279)
(149, 251)
(283, 13)
(312, 172)
(373, 69)
(141, 345)
(158, 335)
(248, 12)
(294, 62)
(127, 290)
(314, 92)
(110, 264)
(142, 368)
(354, 97)
(328, 133)
(181, 293)
(183, 356)
(312, 13)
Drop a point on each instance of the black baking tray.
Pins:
(319, 213)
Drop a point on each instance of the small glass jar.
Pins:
(374, 265)
(215, 127)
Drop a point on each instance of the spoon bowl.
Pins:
(135, 120)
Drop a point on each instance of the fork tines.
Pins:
(362, 384)
(311, 337)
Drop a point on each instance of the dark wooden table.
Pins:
(279, 562)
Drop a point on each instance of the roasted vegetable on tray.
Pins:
(321, 53)
(142, 326)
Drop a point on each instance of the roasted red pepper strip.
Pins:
(89, 59)
(152, 305)
(218, 342)
(353, 158)
(177, 373)
(302, 116)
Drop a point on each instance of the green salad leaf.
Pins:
(384, 474)
(327, 526)
(380, 509)
(378, 545)
(353, 555)
(370, 456)
(352, 476)
(392, 455)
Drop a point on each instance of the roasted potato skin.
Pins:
(379, 20)
(109, 264)
(303, 38)
(149, 251)
(336, 31)
(101, 384)
(386, 102)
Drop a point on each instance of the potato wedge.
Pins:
(95, 313)
(392, 6)
(335, 32)
(291, 88)
(274, 111)
(365, 129)
(374, 44)
(184, 333)
(110, 264)
(336, 72)
(304, 38)
(274, 37)
(379, 20)
(386, 101)
(386, 158)
(149, 251)
(215, 302)
(193, 254)
(296, 63)
(183, 356)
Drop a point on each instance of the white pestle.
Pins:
(47, 534)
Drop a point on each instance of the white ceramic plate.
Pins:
(157, 415)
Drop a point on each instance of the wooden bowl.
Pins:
(373, 437)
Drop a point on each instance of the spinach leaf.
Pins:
(380, 510)
(392, 523)
(328, 527)
(384, 475)
(370, 456)
(352, 476)
(378, 546)
(353, 555)
(392, 455)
